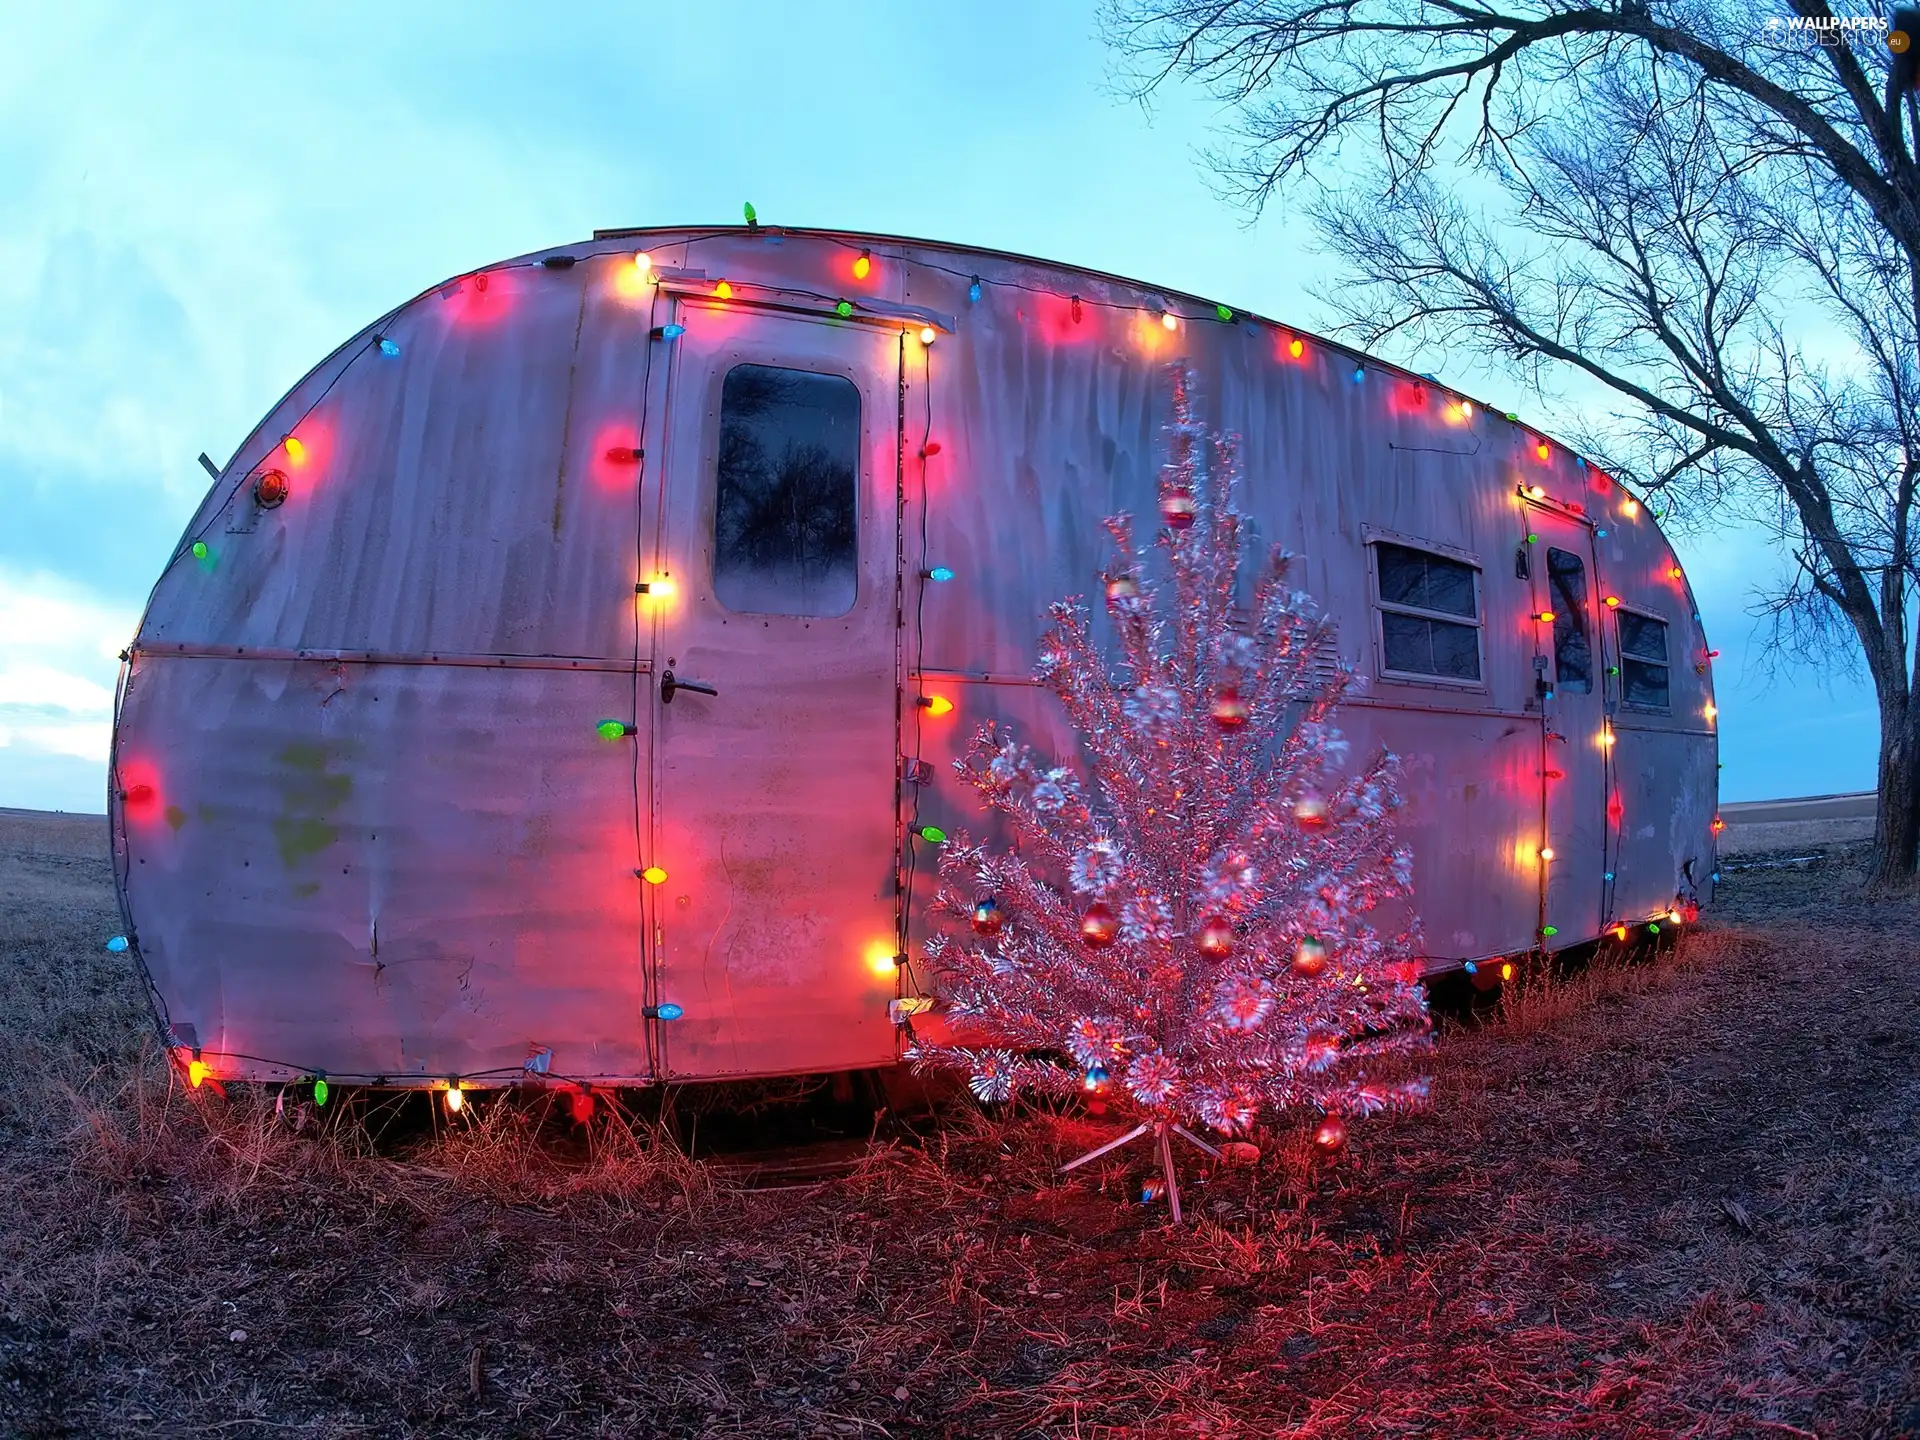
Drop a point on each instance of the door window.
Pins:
(1643, 659)
(785, 501)
(1572, 655)
(1429, 613)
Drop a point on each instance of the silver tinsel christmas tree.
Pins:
(1187, 928)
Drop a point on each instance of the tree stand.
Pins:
(1160, 1130)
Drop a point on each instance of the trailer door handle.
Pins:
(668, 685)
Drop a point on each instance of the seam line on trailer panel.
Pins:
(182, 651)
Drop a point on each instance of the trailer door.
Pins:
(769, 556)
(1573, 746)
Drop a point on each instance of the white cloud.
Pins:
(59, 648)
(46, 618)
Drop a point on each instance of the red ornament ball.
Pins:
(1177, 508)
(1229, 710)
(1311, 958)
(988, 917)
(1311, 810)
(1331, 1135)
(1122, 587)
(1216, 937)
(1099, 925)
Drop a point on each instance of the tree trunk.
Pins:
(1896, 830)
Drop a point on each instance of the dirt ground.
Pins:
(1676, 1198)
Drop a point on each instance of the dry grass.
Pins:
(1677, 1199)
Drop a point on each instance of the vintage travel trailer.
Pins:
(557, 680)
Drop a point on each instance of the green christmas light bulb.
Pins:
(199, 549)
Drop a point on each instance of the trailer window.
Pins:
(1572, 656)
(1643, 660)
(1429, 613)
(785, 501)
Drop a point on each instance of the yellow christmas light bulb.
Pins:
(456, 1098)
(654, 875)
(296, 450)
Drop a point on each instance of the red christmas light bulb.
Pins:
(1177, 508)
(1331, 1135)
(1310, 810)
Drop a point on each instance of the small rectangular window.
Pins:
(785, 501)
(1572, 655)
(1643, 660)
(1429, 613)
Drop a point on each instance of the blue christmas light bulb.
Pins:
(1096, 1076)
(940, 573)
(389, 348)
(118, 943)
(973, 291)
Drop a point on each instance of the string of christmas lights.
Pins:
(274, 474)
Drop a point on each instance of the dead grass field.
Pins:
(1674, 1199)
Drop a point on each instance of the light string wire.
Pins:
(643, 815)
(910, 982)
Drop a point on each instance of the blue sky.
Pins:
(198, 202)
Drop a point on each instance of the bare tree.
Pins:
(1711, 214)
